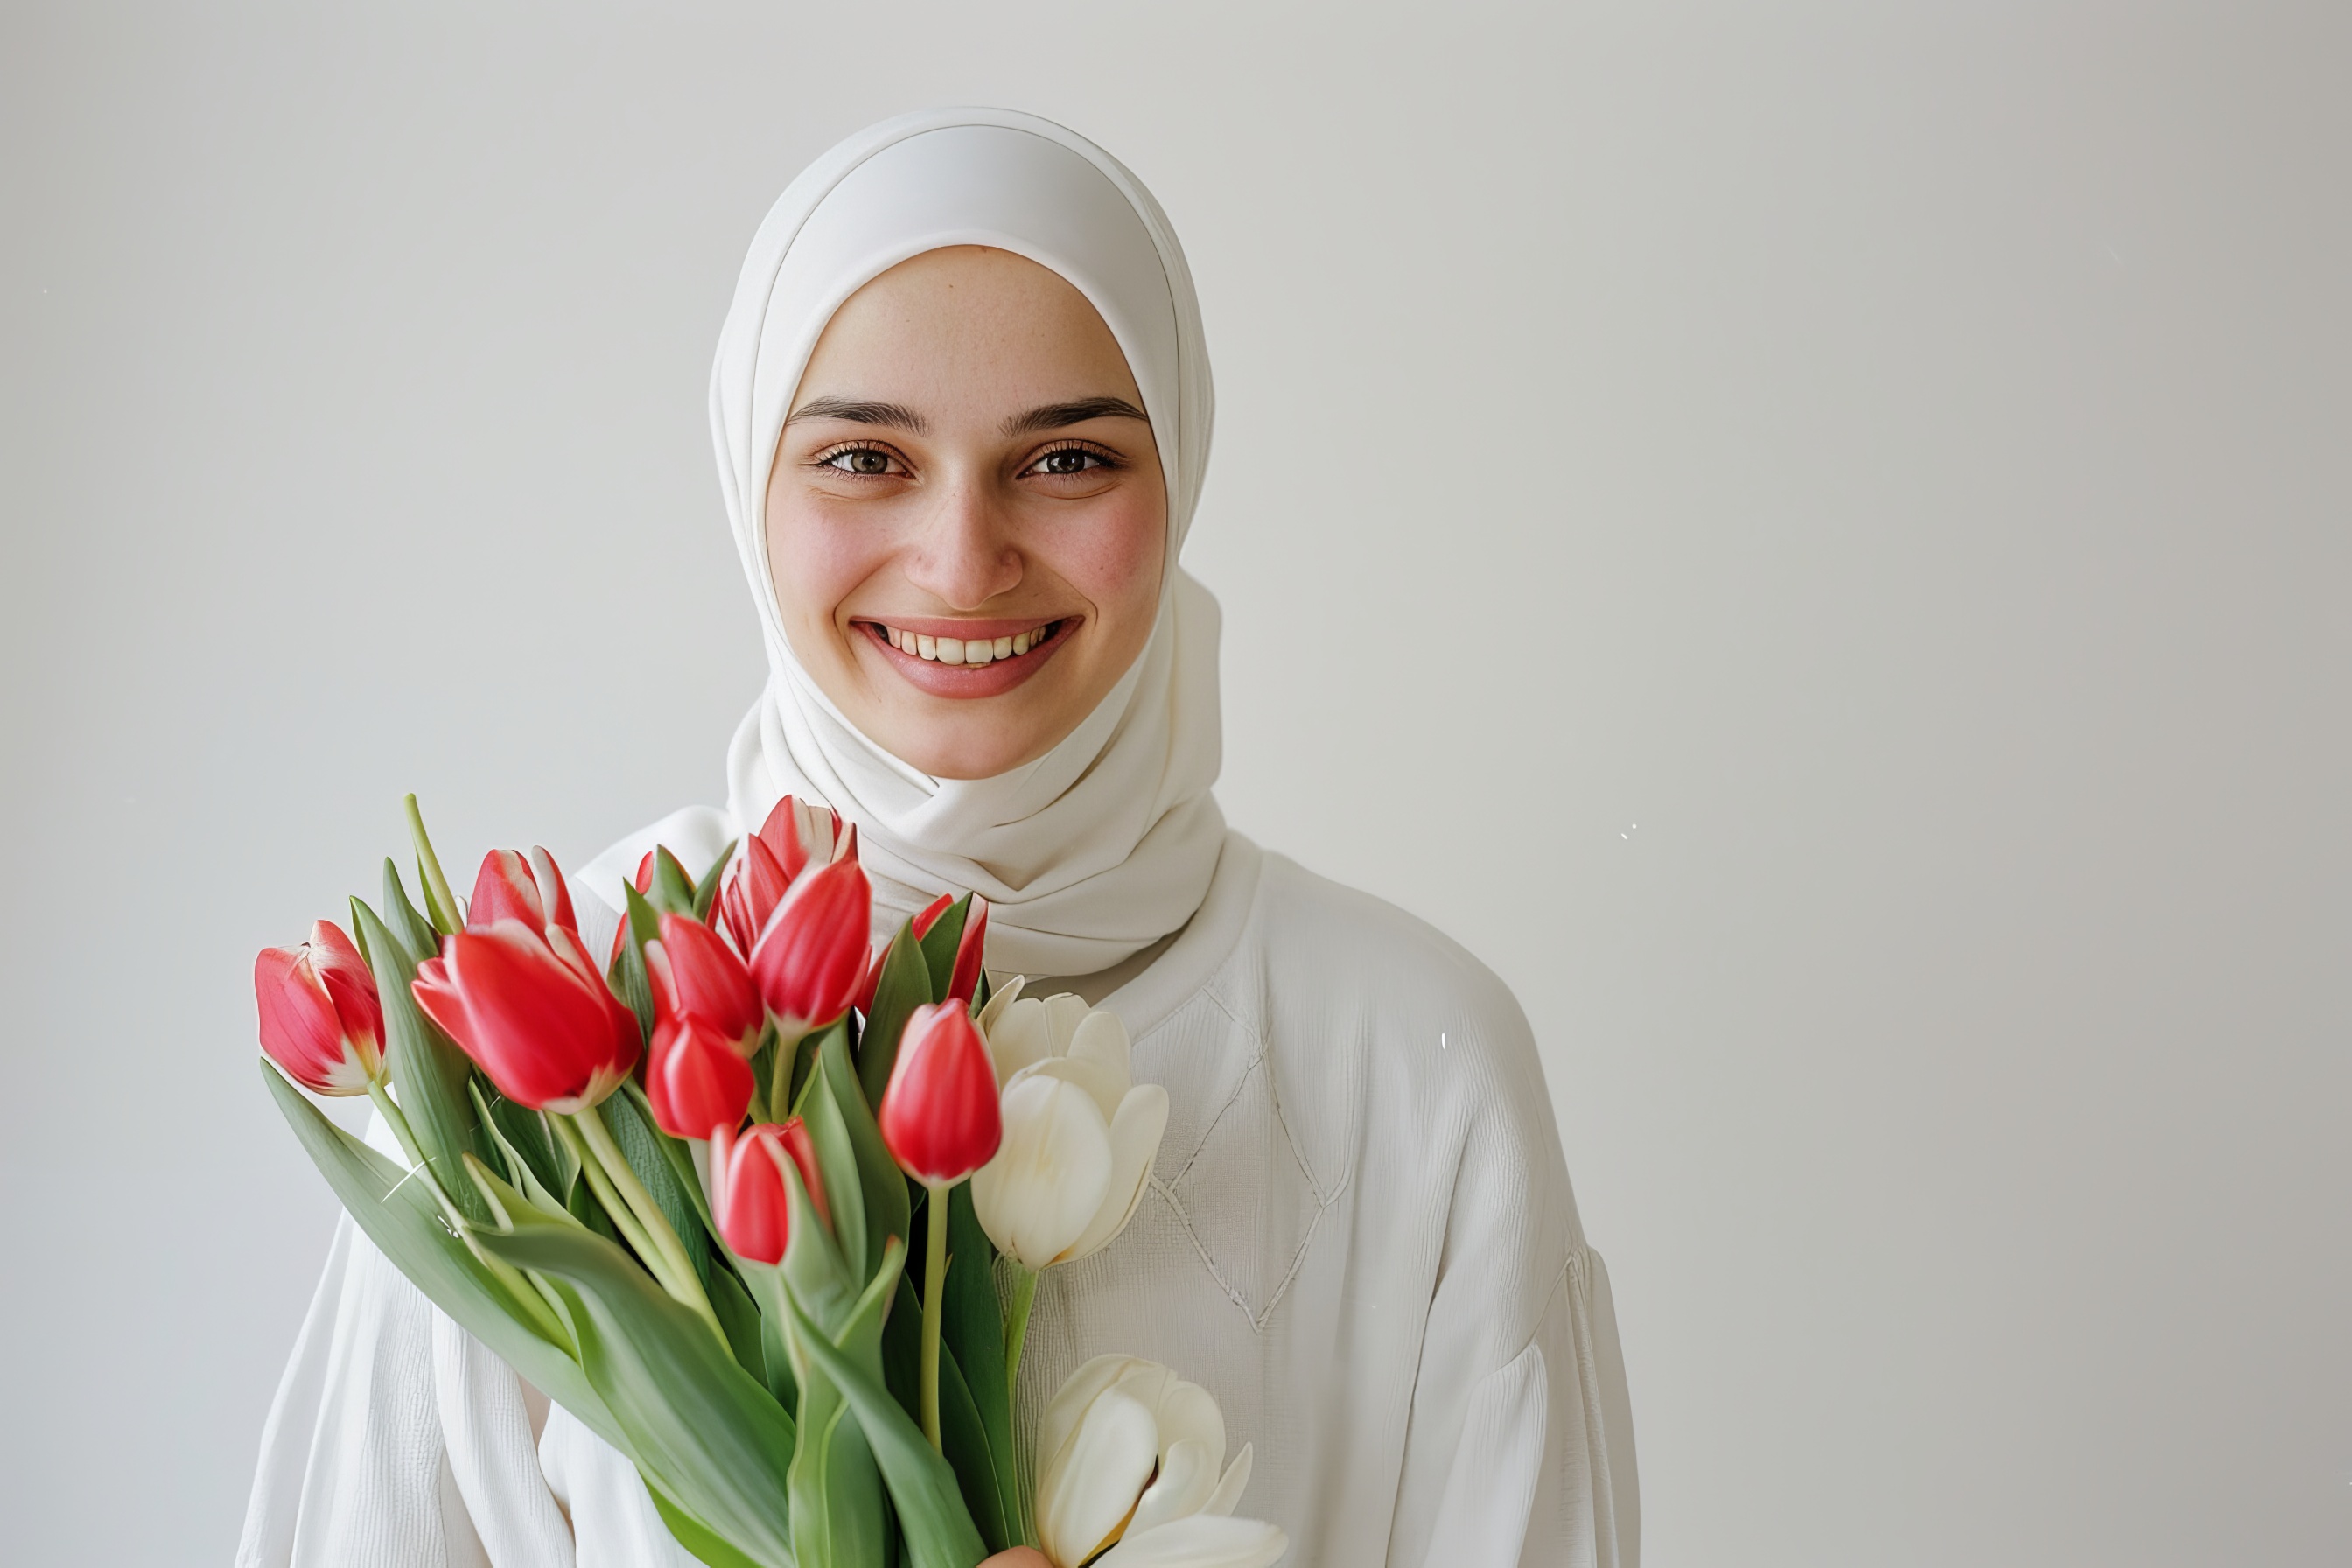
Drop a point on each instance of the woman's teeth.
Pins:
(968, 650)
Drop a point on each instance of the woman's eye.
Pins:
(1068, 461)
(863, 461)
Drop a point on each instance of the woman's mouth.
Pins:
(981, 645)
(968, 658)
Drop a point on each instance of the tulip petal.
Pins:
(1106, 1087)
(1018, 1036)
(1003, 997)
(1187, 1478)
(1047, 1182)
(1101, 1038)
(1064, 1013)
(1229, 1491)
(1135, 1134)
(1201, 1540)
(1092, 1485)
(1067, 1408)
(1187, 1413)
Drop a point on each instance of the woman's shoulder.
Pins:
(1362, 944)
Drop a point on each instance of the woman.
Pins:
(962, 407)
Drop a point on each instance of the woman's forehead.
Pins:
(967, 323)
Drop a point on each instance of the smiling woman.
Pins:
(967, 504)
(962, 410)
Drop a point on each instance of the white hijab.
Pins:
(1108, 842)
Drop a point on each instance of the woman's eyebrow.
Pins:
(860, 413)
(1054, 415)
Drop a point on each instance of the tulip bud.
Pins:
(1079, 1133)
(748, 1197)
(643, 883)
(964, 982)
(810, 959)
(1131, 1467)
(939, 1114)
(321, 1018)
(695, 1080)
(531, 1010)
(695, 974)
(532, 890)
(794, 836)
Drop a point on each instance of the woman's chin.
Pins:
(966, 748)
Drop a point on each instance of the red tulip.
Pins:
(696, 974)
(512, 888)
(928, 915)
(747, 1185)
(965, 979)
(695, 1080)
(809, 958)
(794, 836)
(321, 1018)
(941, 1115)
(643, 882)
(532, 1011)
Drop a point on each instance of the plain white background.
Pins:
(1814, 538)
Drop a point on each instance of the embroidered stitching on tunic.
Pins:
(1258, 1062)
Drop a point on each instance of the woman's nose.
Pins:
(964, 555)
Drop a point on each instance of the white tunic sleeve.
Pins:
(1520, 1449)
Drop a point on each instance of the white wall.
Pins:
(1899, 461)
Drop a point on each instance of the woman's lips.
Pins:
(967, 658)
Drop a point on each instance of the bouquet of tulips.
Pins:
(682, 1186)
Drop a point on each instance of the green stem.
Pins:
(440, 903)
(686, 1286)
(935, 1295)
(622, 1217)
(1016, 1329)
(526, 1292)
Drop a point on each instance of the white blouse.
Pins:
(1359, 1237)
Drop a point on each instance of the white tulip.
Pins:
(1079, 1133)
(1133, 1458)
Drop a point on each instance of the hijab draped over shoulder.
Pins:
(1107, 843)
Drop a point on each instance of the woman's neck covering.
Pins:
(1107, 842)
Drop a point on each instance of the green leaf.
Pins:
(739, 1316)
(940, 945)
(705, 892)
(973, 1326)
(644, 925)
(961, 1431)
(699, 1428)
(521, 1132)
(696, 1536)
(519, 1171)
(836, 1161)
(781, 1381)
(838, 1513)
(986, 1479)
(405, 1222)
(642, 1145)
(428, 1072)
(681, 1161)
(940, 1532)
(905, 986)
(673, 889)
(415, 931)
(882, 1184)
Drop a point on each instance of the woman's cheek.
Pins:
(817, 560)
(1113, 556)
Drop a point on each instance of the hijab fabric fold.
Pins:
(1107, 843)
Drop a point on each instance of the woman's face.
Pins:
(967, 519)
